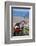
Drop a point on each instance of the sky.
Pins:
(20, 12)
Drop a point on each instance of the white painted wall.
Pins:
(2, 25)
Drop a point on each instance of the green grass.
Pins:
(26, 30)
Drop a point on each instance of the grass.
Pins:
(26, 30)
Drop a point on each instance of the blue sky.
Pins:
(20, 12)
